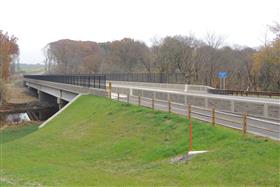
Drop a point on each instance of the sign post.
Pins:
(222, 75)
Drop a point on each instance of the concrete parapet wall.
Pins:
(179, 87)
(177, 98)
(161, 96)
(121, 90)
(137, 92)
(151, 85)
(196, 101)
(219, 104)
(249, 107)
(148, 94)
(240, 105)
(273, 111)
(197, 88)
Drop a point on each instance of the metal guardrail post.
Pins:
(245, 123)
(118, 96)
(127, 98)
(153, 103)
(213, 117)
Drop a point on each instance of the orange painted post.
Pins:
(190, 120)
(190, 146)
(213, 117)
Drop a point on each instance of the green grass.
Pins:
(32, 68)
(97, 141)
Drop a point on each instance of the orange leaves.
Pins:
(8, 48)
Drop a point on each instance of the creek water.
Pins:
(16, 118)
(29, 115)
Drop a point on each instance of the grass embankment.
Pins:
(101, 142)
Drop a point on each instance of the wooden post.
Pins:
(118, 96)
(213, 117)
(110, 90)
(189, 111)
(245, 123)
(169, 105)
(153, 103)
(127, 98)
(139, 100)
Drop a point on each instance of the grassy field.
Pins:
(32, 68)
(97, 141)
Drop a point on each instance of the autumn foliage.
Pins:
(8, 51)
(267, 63)
(199, 60)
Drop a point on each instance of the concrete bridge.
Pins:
(64, 89)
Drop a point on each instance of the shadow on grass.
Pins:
(12, 133)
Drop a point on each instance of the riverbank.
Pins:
(19, 125)
(16, 93)
(20, 105)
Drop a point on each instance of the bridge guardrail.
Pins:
(171, 78)
(94, 81)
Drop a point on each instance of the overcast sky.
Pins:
(38, 22)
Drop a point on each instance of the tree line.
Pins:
(9, 51)
(198, 60)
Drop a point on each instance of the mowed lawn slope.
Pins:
(97, 141)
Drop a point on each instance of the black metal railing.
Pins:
(172, 78)
(93, 81)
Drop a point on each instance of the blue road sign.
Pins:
(223, 74)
